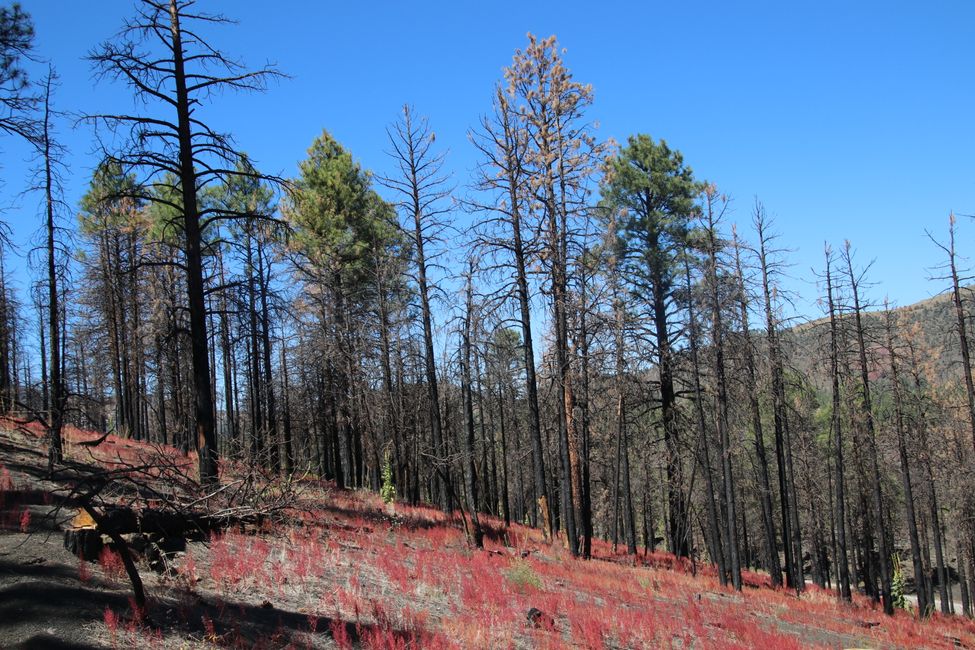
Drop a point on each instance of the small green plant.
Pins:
(897, 585)
(521, 575)
(388, 490)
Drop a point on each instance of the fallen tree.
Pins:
(150, 502)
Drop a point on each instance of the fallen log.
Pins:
(164, 524)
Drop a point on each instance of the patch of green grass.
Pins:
(521, 575)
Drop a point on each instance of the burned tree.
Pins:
(48, 152)
(506, 234)
(842, 561)
(422, 191)
(161, 55)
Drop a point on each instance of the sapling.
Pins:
(388, 491)
(897, 587)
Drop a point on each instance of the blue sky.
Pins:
(849, 120)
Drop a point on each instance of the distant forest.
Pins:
(610, 360)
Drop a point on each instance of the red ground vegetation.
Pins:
(358, 573)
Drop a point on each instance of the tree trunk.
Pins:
(867, 412)
(677, 522)
(273, 437)
(919, 576)
(962, 330)
(837, 435)
(765, 497)
(717, 338)
(783, 451)
(584, 417)
(229, 389)
(470, 482)
(257, 446)
(56, 404)
(714, 529)
(206, 442)
(514, 150)
(622, 478)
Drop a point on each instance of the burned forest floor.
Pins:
(342, 569)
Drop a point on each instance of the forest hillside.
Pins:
(512, 381)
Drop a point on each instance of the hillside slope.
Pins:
(350, 571)
(930, 324)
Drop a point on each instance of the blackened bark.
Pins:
(867, 412)
(470, 482)
(677, 522)
(783, 451)
(919, 577)
(836, 426)
(704, 456)
(717, 339)
(267, 383)
(56, 404)
(962, 330)
(206, 443)
(514, 151)
(768, 521)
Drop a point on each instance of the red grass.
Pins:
(84, 573)
(235, 558)
(366, 567)
(396, 570)
(306, 556)
(112, 451)
(6, 482)
(187, 570)
(112, 621)
(340, 634)
(111, 564)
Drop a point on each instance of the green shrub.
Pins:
(521, 576)
(897, 585)
(388, 490)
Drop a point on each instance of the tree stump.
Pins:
(84, 543)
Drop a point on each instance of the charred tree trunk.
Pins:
(677, 519)
(422, 186)
(289, 457)
(843, 563)
(583, 402)
(229, 389)
(723, 425)
(867, 412)
(206, 442)
(267, 382)
(714, 529)
(791, 539)
(768, 521)
(962, 330)
(256, 403)
(919, 576)
(622, 479)
(470, 482)
(56, 404)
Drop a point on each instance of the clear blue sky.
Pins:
(848, 119)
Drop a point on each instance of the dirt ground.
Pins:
(50, 599)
